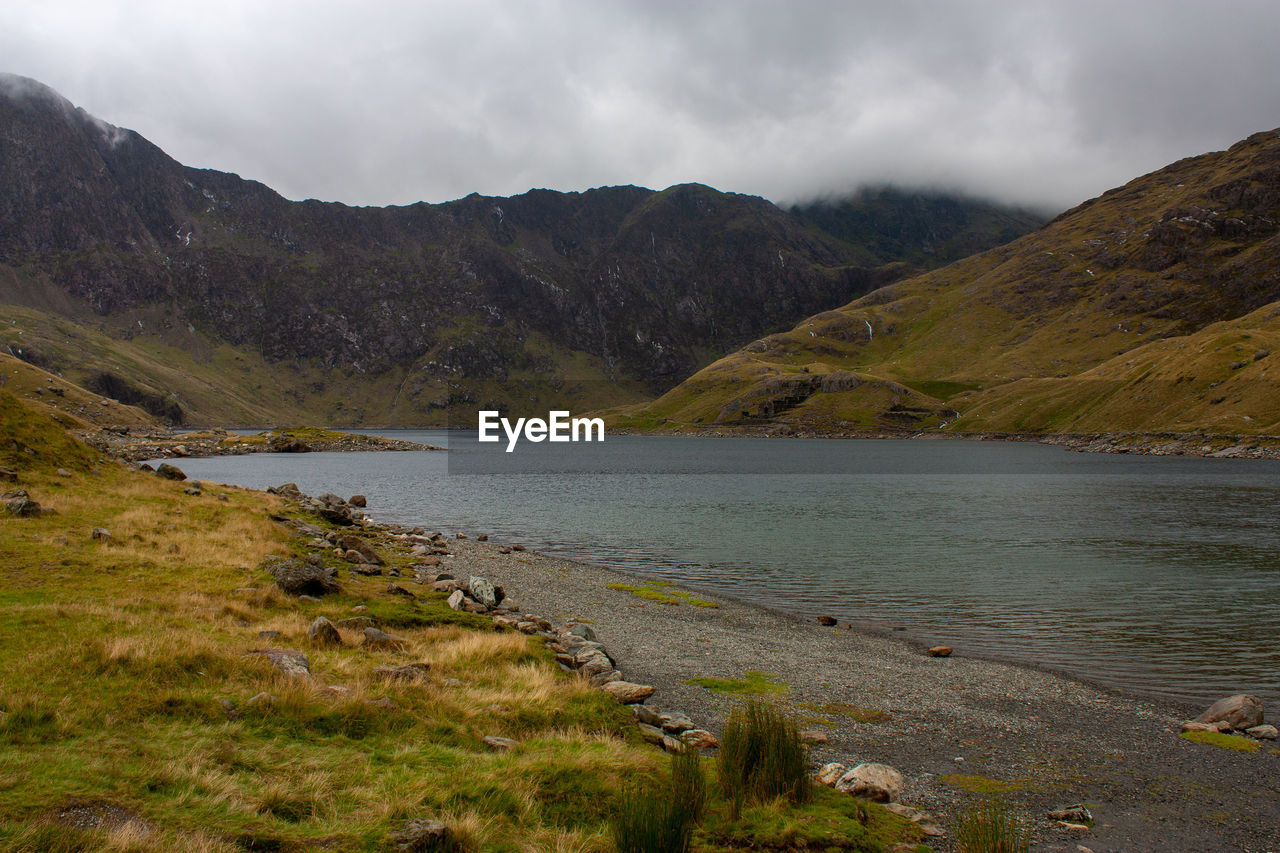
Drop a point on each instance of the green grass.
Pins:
(660, 592)
(752, 683)
(981, 784)
(1237, 743)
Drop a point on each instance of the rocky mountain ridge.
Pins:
(602, 296)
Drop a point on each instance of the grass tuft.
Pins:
(657, 818)
(762, 757)
(991, 827)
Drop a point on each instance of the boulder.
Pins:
(827, 621)
(940, 652)
(422, 836)
(100, 533)
(8, 475)
(323, 633)
(396, 589)
(646, 715)
(408, 672)
(170, 472)
(19, 503)
(375, 639)
(448, 585)
(336, 515)
(367, 569)
(358, 500)
(299, 577)
(363, 547)
(578, 629)
(926, 822)
(830, 774)
(602, 678)
(676, 723)
(1241, 711)
(652, 734)
(628, 693)
(500, 744)
(482, 590)
(289, 662)
(595, 666)
(1264, 732)
(879, 783)
(813, 737)
(455, 598)
(699, 739)
(1220, 726)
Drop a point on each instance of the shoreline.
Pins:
(1182, 708)
(157, 443)
(1191, 444)
(958, 728)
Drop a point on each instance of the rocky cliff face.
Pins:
(620, 284)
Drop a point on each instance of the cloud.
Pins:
(393, 102)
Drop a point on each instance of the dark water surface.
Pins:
(1155, 575)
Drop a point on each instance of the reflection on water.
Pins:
(1160, 575)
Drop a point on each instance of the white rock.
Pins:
(831, 773)
(876, 782)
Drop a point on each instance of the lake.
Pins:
(1155, 575)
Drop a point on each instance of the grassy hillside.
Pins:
(1152, 308)
(198, 381)
(134, 715)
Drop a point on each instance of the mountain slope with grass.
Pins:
(1153, 308)
(123, 269)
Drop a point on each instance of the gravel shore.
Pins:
(956, 727)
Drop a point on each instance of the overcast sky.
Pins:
(1042, 103)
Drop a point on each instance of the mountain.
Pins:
(924, 229)
(1152, 308)
(206, 297)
